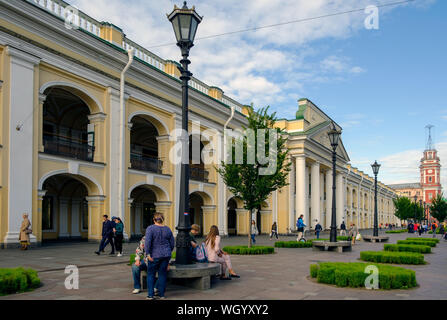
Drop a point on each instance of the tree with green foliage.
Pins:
(438, 208)
(253, 178)
(408, 210)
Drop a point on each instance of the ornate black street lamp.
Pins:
(334, 136)
(185, 22)
(375, 167)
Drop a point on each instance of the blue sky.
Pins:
(382, 86)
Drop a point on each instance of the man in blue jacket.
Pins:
(107, 235)
(300, 227)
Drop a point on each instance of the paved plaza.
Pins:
(283, 275)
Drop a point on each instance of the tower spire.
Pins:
(429, 145)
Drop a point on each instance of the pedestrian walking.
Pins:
(300, 227)
(217, 255)
(353, 230)
(420, 230)
(274, 231)
(254, 231)
(433, 229)
(318, 229)
(442, 231)
(158, 247)
(25, 231)
(343, 229)
(119, 231)
(107, 235)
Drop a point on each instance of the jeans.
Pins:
(159, 265)
(342, 232)
(253, 238)
(274, 233)
(318, 234)
(106, 240)
(136, 273)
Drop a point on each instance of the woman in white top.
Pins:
(215, 254)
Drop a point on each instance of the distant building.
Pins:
(409, 190)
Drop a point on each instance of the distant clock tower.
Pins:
(430, 171)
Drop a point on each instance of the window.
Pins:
(430, 196)
(429, 179)
(47, 213)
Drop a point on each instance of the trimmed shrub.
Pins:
(293, 244)
(352, 274)
(392, 257)
(417, 242)
(424, 239)
(246, 250)
(18, 280)
(407, 248)
(397, 231)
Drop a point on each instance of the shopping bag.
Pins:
(358, 237)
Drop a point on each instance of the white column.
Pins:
(322, 218)
(20, 145)
(222, 210)
(306, 212)
(75, 217)
(300, 180)
(340, 205)
(328, 198)
(315, 172)
(63, 218)
(117, 186)
(292, 195)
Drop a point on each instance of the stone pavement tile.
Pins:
(73, 297)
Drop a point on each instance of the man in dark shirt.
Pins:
(107, 235)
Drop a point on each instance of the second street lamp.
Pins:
(185, 22)
(375, 167)
(334, 136)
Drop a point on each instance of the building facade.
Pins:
(73, 146)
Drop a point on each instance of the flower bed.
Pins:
(397, 231)
(246, 250)
(407, 248)
(352, 274)
(392, 257)
(418, 242)
(18, 280)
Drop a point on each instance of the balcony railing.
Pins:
(140, 162)
(198, 174)
(68, 148)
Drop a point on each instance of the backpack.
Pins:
(201, 255)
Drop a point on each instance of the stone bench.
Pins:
(339, 246)
(196, 276)
(376, 238)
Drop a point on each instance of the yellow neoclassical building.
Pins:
(75, 146)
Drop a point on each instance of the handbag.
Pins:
(28, 231)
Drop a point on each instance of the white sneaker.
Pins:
(119, 255)
(136, 291)
(155, 291)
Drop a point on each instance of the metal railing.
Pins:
(140, 162)
(68, 148)
(76, 17)
(198, 174)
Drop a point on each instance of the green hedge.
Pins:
(352, 274)
(417, 242)
(246, 250)
(437, 231)
(397, 231)
(407, 248)
(293, 244)
(18, 280)
(392, 257)
(423, 239)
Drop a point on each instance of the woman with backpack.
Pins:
(216, 255)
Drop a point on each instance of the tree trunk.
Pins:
(249, 227)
